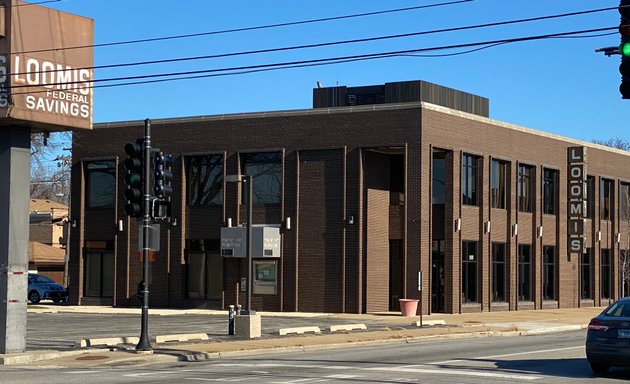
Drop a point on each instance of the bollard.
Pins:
(231, 313)
(238, 309)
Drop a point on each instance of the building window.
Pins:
(99, 273)
(524, 273)
(469, 271)
(204, 180)
(266, 170)
(585, 275)
(438, 186)
(204, 270)
(550, 191)
(606, 199)
(624, 202)
(101, 184)
(469, 180)
(498, 272)
(590, 197)
(525, 188)
(549, 273)
(498, 185)
(605, 276)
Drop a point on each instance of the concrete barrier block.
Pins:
(299, 330)
(181, 337)
(346, 327)
(106, 342)
(247, 326)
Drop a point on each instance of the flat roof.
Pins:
(358, 109)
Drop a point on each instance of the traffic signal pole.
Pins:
(144, 345)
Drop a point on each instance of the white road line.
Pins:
(531, 352)
(438, 371)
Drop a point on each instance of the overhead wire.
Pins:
(184, 75)
(254, 28)
(334, 43)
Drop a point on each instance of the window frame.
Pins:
(550, 191)
(470, 179)
(606, 198)
(525, 274)
(466, 273)
(526, 188)
(258, 196)
(498, 182)
(89, 187)
(550, 272)
(497, 282)
(198, 192)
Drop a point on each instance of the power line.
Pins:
(341, 42)
(254, 28)
(140, 79)
(37, 3)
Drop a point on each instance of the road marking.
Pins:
(497, 356)
(235, 379)
(407, 369)
(531, 352)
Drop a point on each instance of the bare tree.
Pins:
(50, 168)
(616, 142)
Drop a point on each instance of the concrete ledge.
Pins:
(346, 327)
(106, 342)
(181, 337)
(30, 357)
(542, 331)
(429, 322)
(299, 330)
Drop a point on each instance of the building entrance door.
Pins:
(437, 276)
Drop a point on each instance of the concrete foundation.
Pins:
(247, 326)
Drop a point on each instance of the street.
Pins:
(551, 358)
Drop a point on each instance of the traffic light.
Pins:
(134, 178)
(624, 48)
(162, 175)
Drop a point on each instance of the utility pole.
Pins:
(144, 345)
(15, 152)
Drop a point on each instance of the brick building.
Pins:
(371, 186)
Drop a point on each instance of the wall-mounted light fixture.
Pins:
(486, 227)
(458, 224)
(287, 223)
(74, 224)
(229, 222)
(174, 222)
(350, 220)
(514, 230)
(539, 232)
(599, 235)
(120, 226)
(617, 237)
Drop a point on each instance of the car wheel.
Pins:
(33, 297)
(57, 301)
(599, 368)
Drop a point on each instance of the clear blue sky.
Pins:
(555, 85)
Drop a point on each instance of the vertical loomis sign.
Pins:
(46, 60)
(577, 198)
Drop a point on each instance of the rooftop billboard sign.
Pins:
(46, 60)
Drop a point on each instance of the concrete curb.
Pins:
(30, 357)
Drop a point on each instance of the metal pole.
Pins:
(144, 344)
(249, 180)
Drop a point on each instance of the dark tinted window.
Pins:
(101, 184)
(205, 180)
(266, 169)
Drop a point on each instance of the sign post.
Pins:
(420, 290)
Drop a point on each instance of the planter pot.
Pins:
(408, 307)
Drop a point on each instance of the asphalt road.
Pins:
(553, 358)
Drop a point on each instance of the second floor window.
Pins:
(266, 170)
(469, 180)
(590, 197)
(550, 191)
(205, 180)
(606, 199)
(624, 202)
(498, 184)
(101, 184)
(525, 188)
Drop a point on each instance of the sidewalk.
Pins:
(385, 327)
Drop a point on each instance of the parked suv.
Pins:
(42, 287)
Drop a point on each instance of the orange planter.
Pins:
(408, 307)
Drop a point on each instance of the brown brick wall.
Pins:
(327, 264)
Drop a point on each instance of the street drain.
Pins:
(91, 357)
